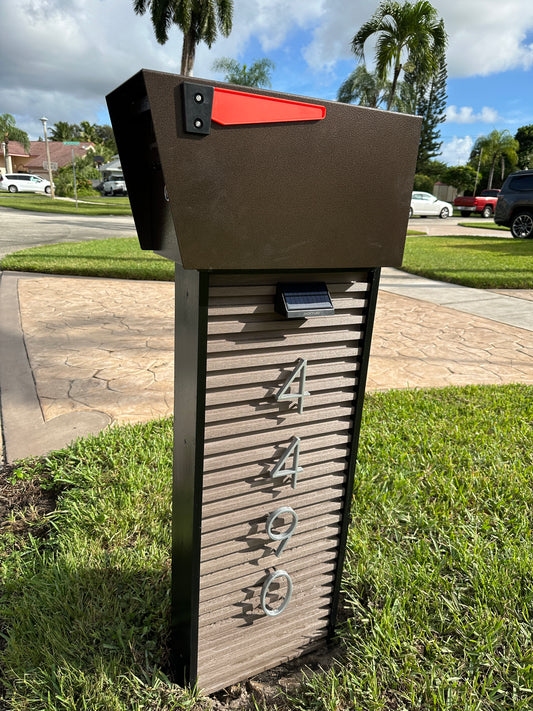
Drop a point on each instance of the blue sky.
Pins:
(61, 57)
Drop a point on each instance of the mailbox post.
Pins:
(279, 212)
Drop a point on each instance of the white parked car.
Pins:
(25, 182)
(114, 186)
(428, 204)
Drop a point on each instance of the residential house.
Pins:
(36, 160)
(16, 160)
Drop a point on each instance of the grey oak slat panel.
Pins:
(251, 352)
(240, 529)
(220, 487)
(273, 491)
(228, 361)
(220, 551)
(268, 373)
(266, 456)
(216, 610)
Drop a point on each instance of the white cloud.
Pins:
(457, 151)
(485, 36)
(61, 57)
(466, 114)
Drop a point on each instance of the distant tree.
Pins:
(462, 177)
(405, 33)
(424, 183)
(106, 137)
(63, 131)
(524, 136)
(435, 169)
(199, 20)
(431, 105)
(497, 147)
(88, 132)
(257, 74)
(8, 128)
(364, 88)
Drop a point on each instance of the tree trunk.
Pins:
(397, 70)
(491, 174)
(187, 54)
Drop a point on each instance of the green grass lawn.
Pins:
(438, 581)
(119, 257)
(485, 226)
(86, 206)
(481, 262)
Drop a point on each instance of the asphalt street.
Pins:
(20, 229)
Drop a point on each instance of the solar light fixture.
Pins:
(303, 300)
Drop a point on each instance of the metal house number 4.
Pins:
(284, 393)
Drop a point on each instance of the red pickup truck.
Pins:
(484, 203)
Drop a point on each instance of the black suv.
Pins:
(514, 208)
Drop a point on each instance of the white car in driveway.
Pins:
(427, 204)
(25, 182)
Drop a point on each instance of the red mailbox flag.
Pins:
(238, 107)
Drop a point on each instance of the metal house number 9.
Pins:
(278, 471)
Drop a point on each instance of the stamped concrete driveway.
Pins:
(20, 229)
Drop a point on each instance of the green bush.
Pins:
(423, 182)
(85, 173)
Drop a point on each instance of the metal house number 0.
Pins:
(284, 393)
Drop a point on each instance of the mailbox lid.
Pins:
(309, 194)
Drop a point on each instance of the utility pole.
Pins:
(44, 120)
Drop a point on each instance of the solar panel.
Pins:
(303, 299)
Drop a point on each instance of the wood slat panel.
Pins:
(314, 351)
(273, 322)
(220, 487)
(212, 677)
(219, 551)
(252, 582)
(279, 438)
(251, 352)
(256, 514)
(266, 559)
(261, 547)
(263, 339)
(267, 390)
(212, 611)
(263, 305)
(267, 373)
(272, 491)
(275, 413)
(241, 529)
(259, 470)
(217, 636)
(266, 456)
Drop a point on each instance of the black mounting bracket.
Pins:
(197, 107)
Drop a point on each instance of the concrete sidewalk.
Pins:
(78, 354)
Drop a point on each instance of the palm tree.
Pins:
(88, 132)
(408, 36)
(497, 146)
(199, 20)
(63, 131)
(367, 88)
(10, 132)
(257, 74)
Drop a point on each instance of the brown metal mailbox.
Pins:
(278, 212)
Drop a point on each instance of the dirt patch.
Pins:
(269, 687)
(24, 504)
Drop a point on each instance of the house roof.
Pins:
(59, 153)
(16, 149)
